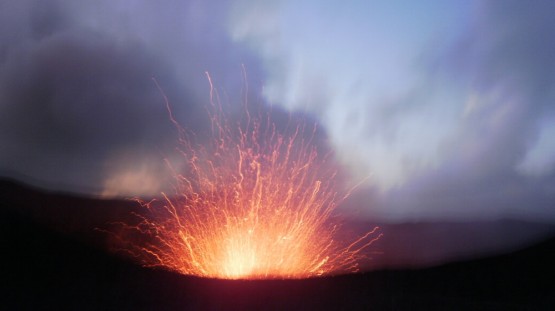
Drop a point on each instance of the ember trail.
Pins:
(253, 203)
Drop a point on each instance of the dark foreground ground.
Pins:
(43, 268)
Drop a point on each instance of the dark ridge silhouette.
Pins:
(51, 260)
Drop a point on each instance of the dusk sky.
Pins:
(445, 108)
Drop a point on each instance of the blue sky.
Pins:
(446, 107)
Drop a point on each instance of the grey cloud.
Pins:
(73, 96)
(78, 106)
(443, 125)
(516, 70)
(508, 64)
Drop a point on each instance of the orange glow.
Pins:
(252, 203)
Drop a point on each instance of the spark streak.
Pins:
(253, 203)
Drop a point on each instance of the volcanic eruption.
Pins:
(257, 201)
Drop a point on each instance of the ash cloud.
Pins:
(79, 110)
(497, 162)
(447, 108)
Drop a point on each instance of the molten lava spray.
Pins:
(253, 203)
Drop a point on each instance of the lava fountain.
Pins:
(253, 203)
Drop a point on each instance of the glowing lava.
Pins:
(252, 203)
